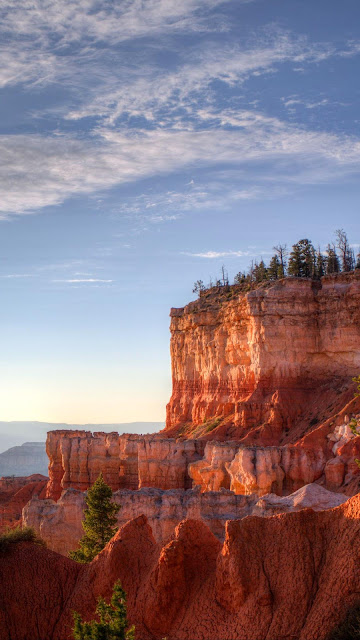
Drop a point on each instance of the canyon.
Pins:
(247, 501)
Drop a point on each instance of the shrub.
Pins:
(19, 534)
(112, 623)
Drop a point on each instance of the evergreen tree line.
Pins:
(303, 261)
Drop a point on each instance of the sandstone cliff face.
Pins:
(326, 455)
(59, 523)
(269, 364)
(127, 461)
(288, 576)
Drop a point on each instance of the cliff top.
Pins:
(219, 294)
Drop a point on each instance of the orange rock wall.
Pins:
(288, 576)
(266, 361)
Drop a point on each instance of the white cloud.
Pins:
(168, 97)
(38, 171)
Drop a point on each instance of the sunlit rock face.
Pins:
(126, 461)
(265, 366)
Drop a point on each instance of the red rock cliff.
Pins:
(288, 576)
(265, 365)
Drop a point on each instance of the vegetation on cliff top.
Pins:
(99, 522)
(303, 261)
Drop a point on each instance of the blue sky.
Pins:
(144, 143)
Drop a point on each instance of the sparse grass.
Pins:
(19, 534)
(212, 425)
(349, 628)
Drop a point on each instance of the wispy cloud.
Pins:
(84, 280)
(17, 275)
(38, 171)
(218, 254)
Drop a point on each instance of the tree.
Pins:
(346, 252)
(99, 522)
(332, 260)
(357, 266)
(112, 624)
(198, 287)
(281, 252)
(302, 260)
(320, 265)
(260, 271)
(224, 276)
(240, 278)
(274, 268)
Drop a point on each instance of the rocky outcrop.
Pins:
(126, 461)
(59, 523)
(327, 454)
(265, 366)
(287, 576)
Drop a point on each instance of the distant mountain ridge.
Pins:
(15, 433)
(24, 459)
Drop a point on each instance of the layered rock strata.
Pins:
(267, 365)
(288, 576)
(59, 523)
(127, 461)
(326, 455)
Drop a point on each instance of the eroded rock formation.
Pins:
(127, 461)
(326, 454)
(15, 493)
(59, 523)
(288, 576)
(266, 366)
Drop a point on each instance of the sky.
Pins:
(144, 143)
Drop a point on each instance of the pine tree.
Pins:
(357, 266)
(320, 264)
(302, 260)
(260, 271)
(274, 268)
(198, 287)
(112, 624)
(332, 260)
(99, 522)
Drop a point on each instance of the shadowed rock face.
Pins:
(14, 495)
(268, 363)
(288, 576)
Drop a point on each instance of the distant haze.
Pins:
(16, 433)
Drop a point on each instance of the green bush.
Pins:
(349, 628)
(112, 623)
(19, 534)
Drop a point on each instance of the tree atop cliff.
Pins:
(112, 624)
(99, 522)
